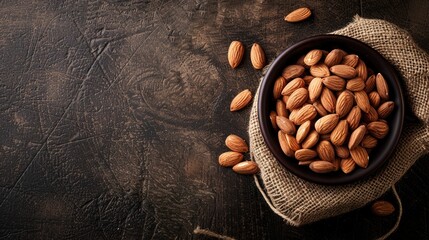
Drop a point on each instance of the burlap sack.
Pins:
(300, 202)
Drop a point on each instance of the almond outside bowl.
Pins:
(379, 155)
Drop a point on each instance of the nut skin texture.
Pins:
(360, 156)
(292, 86)
(378, 129)
(241, 100)
(347, 165)
(326, 151)
(298, 15)
(257, 56)
(356, 137)
(328, 100)
(235, 53)
(246, 168)
(236, 143)
(340, 133)
(297, 98)
(344, 103)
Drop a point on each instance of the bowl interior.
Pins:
(373, 60)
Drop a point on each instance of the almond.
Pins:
(293, 144)
(307, 79)
(322, 167)
(369, 142)
(342, 151)
(293, 71)
(362, 101)
(355, 84)
(305, 154)
(354, 117)
(313, 57)
(370, 84)
(344, 103)
(236, 143)
(328, 100)
(357, 136)
(339, 134)
(281, 109)
(371, 116)
(235, 53)
(241, 100)
(273, 116)
(334, 57)
(229, 159)
(320, 109)
(257, 56)
(284, 145)
(361, 70)
(279, 84)
(378, 129)
(297, 98)
(382, 208)
(298, 15)
(319, 70)
(292, 86)
(315, 89)
(360, 156)
(382, 87)
(347, 165)
(343, 71)
(246, 167)
(326, 124)
(385, 109)
(334, 83)
(326, 151)
(285, 125)
(311, 140)
(303, 131)
(350, 60)
(374, 99)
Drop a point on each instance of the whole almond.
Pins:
(369, 142)
(354, 117)
(385, 109)
(293, 71)
(307, 112)
(360, 156)
(362, 101)
(281, 109)
(313, 57)
(334, 83)
(382, 208)
(326, 124)
(298, 15)
(307, 79)
(350, 60)
(246, 167)
(311, 139)
(305, 154)
(371, 116)
(284, 145)
(257, 56)
(334, 57)
(292, 86)
(356, 137)
(320, 109)
(285, 125)
(374, 99)
(279, 84)
(315, 89)
(241, 100)
(370, 84)
(229, 159)
(293, 144)
(328, 100)
(297, 98)
(382, 87)
(326, 151)
(273, 116)
(355, 84)
(342, 151)
(303, 131)
(236, 143)
(319, 70)
(347, 165)
(343, 71)
(235, 53)
(378, 129)
(344, 103)
(322, 167)
(361, 70)
(340, 132)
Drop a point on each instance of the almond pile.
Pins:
(330, 111)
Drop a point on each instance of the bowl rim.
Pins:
(393, 79)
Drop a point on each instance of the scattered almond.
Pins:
(257, 56)
(235, 53)
(229, 159)
(236, 143)
(246, 167)
(298, 15)
(241, 100)
(382, 208)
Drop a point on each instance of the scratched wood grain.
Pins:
(113, 113)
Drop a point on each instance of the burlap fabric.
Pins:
(300, 202)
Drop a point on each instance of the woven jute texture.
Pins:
(302, 202)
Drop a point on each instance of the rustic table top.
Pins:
(113, 114)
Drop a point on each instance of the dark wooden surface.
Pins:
(113, 113)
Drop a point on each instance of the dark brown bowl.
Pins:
(373, 60)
